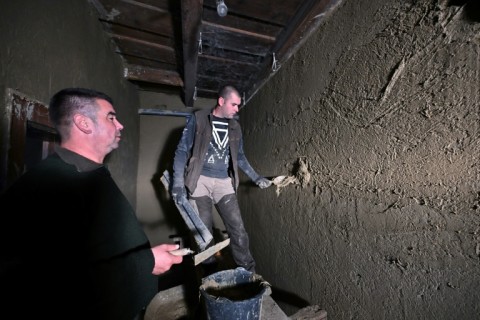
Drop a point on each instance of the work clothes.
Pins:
(187, 169)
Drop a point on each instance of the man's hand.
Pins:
(263, 183)
(178, 194)
(164, 259)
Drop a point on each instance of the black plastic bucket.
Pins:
(234, 294)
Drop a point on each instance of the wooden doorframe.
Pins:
(22, 112)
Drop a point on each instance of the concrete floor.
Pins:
(180, 298)
(171, 304)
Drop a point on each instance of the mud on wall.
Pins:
(380, 110)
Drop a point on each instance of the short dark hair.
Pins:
(227, 90)
(67, 102)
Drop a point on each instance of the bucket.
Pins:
(234, 294)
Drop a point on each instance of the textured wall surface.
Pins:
(377, 120)
(47, 45)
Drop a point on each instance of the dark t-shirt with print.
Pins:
(217, 158)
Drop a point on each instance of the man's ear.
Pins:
(83, 123)
(221, 101)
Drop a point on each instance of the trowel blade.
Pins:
(278, 180)
(204, 255)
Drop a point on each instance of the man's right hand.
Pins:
(179, 194)
(164, 259)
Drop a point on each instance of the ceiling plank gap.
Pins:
(241, 31)
(191, 22)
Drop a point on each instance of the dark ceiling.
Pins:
(184, 46)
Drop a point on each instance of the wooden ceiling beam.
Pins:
(301, 26)
(191, 22)
(152, 75)
(145, 6)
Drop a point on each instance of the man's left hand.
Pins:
(263, 183)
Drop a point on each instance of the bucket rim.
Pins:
(252, 278)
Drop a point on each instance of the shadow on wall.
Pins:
(165, 162)
(471, 9)
(283, 297)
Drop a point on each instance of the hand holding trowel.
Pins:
(202, 235)
(204, 255)
(282, 181)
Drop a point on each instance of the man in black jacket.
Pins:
(206, 167)
(70, 240)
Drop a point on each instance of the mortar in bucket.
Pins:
(234, 294)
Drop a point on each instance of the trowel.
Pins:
(204, 255)
(207, 253)
(277, 180)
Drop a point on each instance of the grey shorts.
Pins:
(213, 188)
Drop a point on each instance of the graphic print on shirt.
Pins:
(218, 146)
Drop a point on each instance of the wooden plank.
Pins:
(132, 14)
(191, 21)
(145, 49)
(125, 31)
(158, 76)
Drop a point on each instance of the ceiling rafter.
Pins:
(191, 22)
(185, 47)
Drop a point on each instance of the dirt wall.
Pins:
(377, 117)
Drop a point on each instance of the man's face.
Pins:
(107, 127)
(229, 106)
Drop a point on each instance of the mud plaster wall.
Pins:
(48, 45)
(381, 109)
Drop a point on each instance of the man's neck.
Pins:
(80, 162)
(216, 112)
(89, 154)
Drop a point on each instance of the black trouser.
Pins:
(229, 211)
